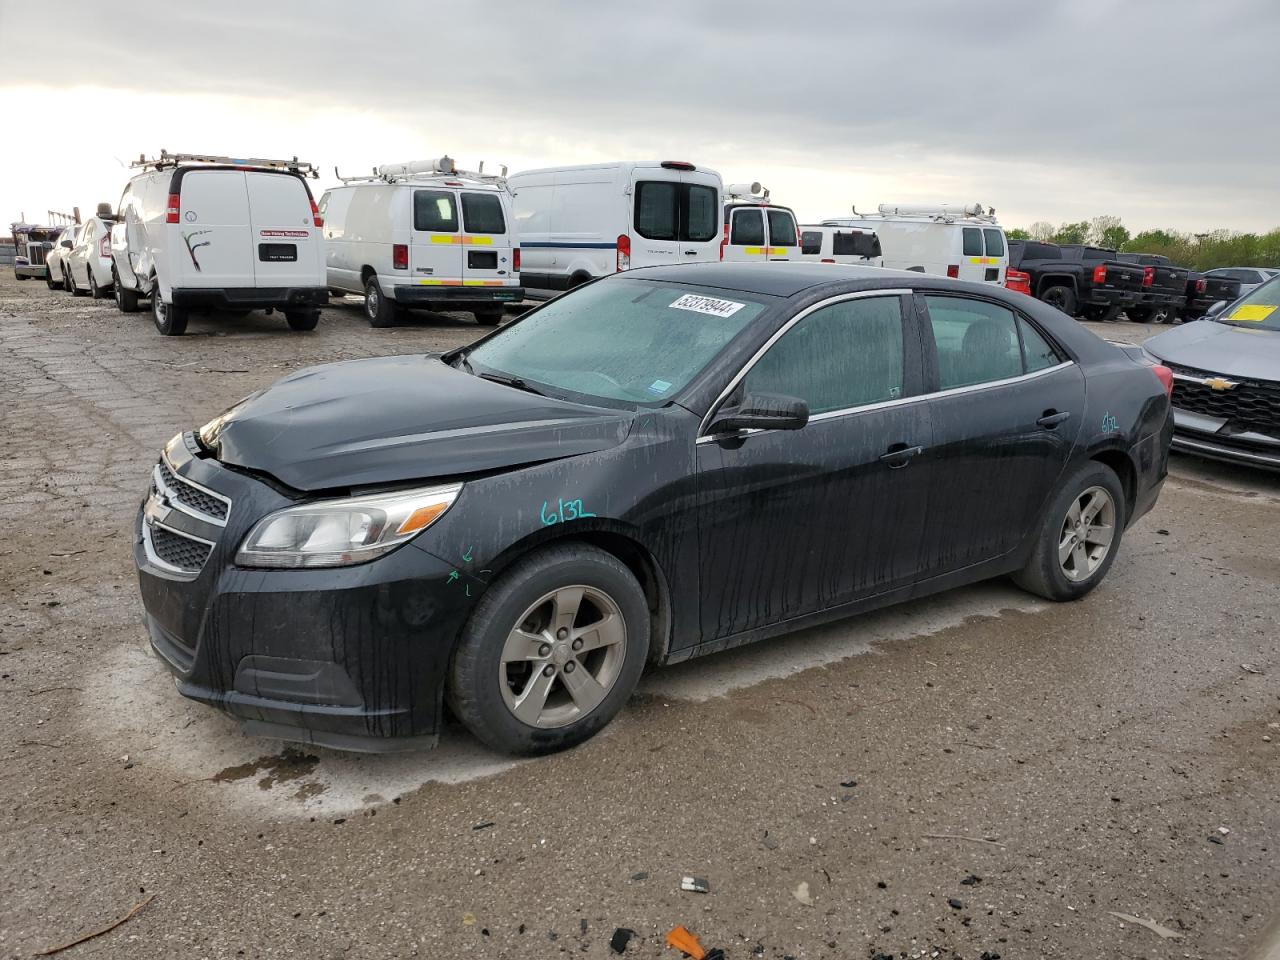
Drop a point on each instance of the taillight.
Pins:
(624, 252)
(953, 271)
(104, 245)
(724, 241)
(171, 211)
(826, 260)
(1148, 276)
(1018, 280)
(315, 213)
(515, 260)
(1202, 285)
(400, 256)
(1165, 376)
(1100, 273)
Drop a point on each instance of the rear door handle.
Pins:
(900, 455)
(691, 253)
(1052, 418)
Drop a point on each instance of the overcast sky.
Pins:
(1162, 112)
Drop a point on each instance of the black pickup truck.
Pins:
(1204, 290)
(1079, 280)
(1164, 289)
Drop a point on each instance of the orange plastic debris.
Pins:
(686, 943)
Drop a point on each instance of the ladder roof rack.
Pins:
(167, 159)
(417, 171)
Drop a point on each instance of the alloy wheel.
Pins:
(1087, 533)
(563, 656)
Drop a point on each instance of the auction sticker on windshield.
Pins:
(1251, 312)
(711, 305)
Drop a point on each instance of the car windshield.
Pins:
(1261, 308)
(635, 341)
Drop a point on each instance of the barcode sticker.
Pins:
(711, 305)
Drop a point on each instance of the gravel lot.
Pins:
(996, 775)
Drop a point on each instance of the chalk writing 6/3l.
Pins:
(566, 510)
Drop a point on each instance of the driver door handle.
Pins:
(899, 455)
(1052, 418)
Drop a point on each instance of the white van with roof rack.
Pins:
(856, 245)
(200, 231)
(579, 223)
(951, 240)
(423, 234)
(755, 229)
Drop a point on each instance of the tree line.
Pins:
(1198, 251)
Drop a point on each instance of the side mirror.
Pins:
(68, 244)
(104, 211)
(762, 411)
(1215, 309)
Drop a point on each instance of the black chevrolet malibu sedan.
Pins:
(658, 465)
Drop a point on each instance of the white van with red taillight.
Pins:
(579, 223)
(200, 232)
(853, 245)
(947, 239)
(423, 234)
(756, 230)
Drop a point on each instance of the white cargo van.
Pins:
(579, 223)
(756, 230)
(197, 231)
(856, 245)
(950, 240)
(423, 234)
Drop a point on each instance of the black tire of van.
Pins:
(169, 319)
(126, 300)
(302, 319)
(489, 316)
(380, 311)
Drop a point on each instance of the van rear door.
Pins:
(486, 240)
(782, 233)
(286, 242)
(216, 248)
(435, 254)
(983, 254)
(655, 220)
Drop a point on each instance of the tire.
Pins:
(1064, 298)
(1099, 314)
(489, 317)
(71, 284)
(95, 291)
(20, 276)
(171, 321)
(302, 319)
(1050, 576)
(378, 310)
(50, 282)
(126, 300)
(66, 279)
(1140, 314)
(484, 688)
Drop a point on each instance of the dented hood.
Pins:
(390, 419)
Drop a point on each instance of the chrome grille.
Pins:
(177, 550)
(188, 496)
(1250, 405)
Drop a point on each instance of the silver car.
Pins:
(1250, 277)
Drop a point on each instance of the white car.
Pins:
(755, 230)
(88, 262)
(220, 233)
(56, 258)
(856, 245)
(422, 234)
(950, 240)
(579, 223)
(1250, 277)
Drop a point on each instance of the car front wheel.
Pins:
(552, 652)
(1079, 537)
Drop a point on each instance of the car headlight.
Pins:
(339, 533)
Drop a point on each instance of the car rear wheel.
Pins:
(1064, 298)
(302, 319)
(1079, 537)
(170, 320)
(552, 652)
(378, 309)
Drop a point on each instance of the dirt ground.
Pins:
(979, 775)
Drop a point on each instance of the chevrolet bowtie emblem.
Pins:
(1219, 383)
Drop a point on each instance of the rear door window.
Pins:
(669, 210)
(700, 213)
(811, 242)
(482, 213)
(972, 242)
(435, 211)
(1037, 352)
(782, 229)
(746, 228)
(995, 243)
(856, 245)
(977, 341)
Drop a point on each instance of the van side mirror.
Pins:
(1215, 309)
(762, 411)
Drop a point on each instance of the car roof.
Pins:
(775, 279)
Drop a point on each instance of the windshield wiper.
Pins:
(507, 381)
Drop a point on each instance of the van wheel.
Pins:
(1064, 298)
(170, 320)
(126, 300)
(302, 319)
(380, 311)
(490, 316)
(552, 652)
(1079, 537)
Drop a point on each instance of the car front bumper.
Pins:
(347, 657)
(1205, 436)
(249, 298)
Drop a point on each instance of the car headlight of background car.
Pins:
(339, 533)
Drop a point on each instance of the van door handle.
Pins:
(899, 455)
(1052, 418)
(691, 253)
